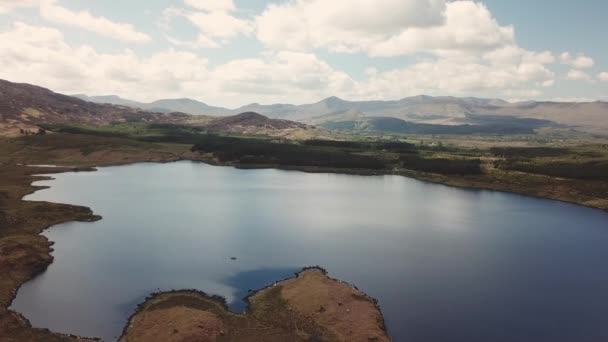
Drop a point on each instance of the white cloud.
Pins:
(281, 77)
(603, 76)
(54, 13)
(11, 5)
(578, 75)
(215, 23)
(40, 55)
(472, 53)
(219, 24)
(212, 5)
(339, 25)
(483, 76)
(201, 41)
(579, 62)
(468, 26)
(382, 27)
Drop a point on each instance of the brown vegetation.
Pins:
(309, 307)
(24, 108)
(23, 252)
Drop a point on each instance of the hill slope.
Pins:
(442, 110)
(27, 107)
(184, 105)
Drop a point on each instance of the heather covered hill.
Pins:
(251, 120)
(24, 108)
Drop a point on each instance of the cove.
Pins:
(445, 264)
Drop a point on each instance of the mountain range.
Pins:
(459, 112)
(25, 108)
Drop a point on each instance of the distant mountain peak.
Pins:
(183, 100)
(334, 99)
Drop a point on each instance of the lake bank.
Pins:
(25, 254)
(330, 208)
(23, 239)
(90, 151)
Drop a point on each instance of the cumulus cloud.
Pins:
(483, 76)
(40, 55)
(201, 41)
(341, 26)
(212, 5)
(11, 5)
(468, 26)
(470, 52)
(219, 24)
(213, 19)
(281, 77)
(51, 11)
(578, 75)
(382, 28)
(456, 48)
(579, 62)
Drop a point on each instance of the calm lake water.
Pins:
(446, 264)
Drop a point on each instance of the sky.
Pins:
(235, 52)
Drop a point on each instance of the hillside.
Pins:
(164, 106)
(443, 110)
(25, 107)
(399, 126)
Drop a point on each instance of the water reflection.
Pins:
(247, 281)
(446, 264)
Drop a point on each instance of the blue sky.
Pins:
(233, 52)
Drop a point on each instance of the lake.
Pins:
(446, 264)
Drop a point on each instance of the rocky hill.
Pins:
(25, 107)
(252, 120)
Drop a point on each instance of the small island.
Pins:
(308, 307)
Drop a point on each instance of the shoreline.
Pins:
(266, 311)
(221, 301)
(90, 217)
(32, 248)
(35, 173)
(450, 181)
